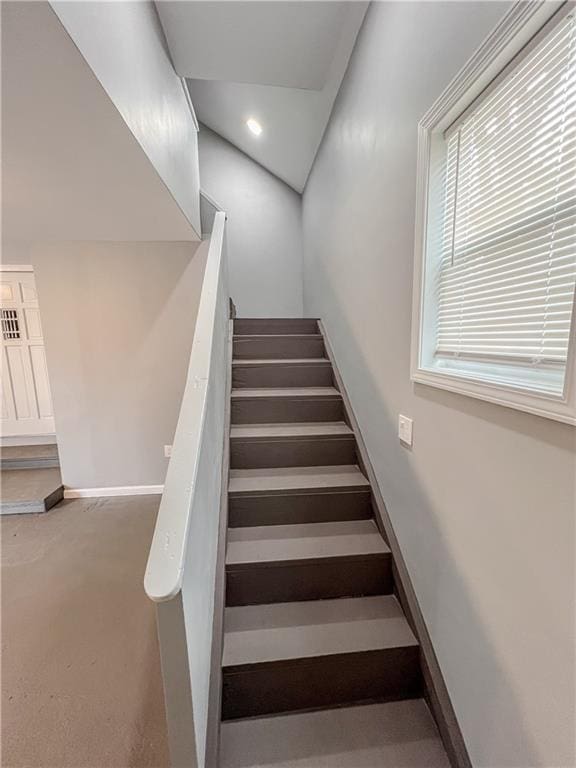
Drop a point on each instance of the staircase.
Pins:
(30, 479)
(312, 625)
(29, 457)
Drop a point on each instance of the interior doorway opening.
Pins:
(27, 416)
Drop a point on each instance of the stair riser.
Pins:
(338, 577)
(323, 682)
(276, 348)
(41, 463)
(282, 375)
(256, 326)
(309, 452)
(291, 509)
(283, 410)
(32, 507)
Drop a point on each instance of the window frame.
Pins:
(487, 66)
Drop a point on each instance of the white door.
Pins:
(26, 398)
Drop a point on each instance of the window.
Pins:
(497, 286)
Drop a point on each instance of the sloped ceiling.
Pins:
(278, 62)
(71, 167)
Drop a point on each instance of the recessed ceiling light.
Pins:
(254, 126)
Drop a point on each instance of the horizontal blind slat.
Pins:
(517, 253)
(498, 177)
(555, 44)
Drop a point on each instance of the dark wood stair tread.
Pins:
(263, 634)
(286, 405)
(275, 325)
(307, 541)
(289, 479)
(283, 367)
(287, 346)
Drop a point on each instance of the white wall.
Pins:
(484, 503)
(118, 324)
(264, 234)
(124, 44)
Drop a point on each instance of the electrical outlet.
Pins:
(167, 451)
(405, 429)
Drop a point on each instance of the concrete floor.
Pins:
(81, 682)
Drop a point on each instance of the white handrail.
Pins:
(208, 209)
(210, 199)
(166, 561)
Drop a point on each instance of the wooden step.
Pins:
(388, 735)
(291, 445)
(26, 491)
(297, 495)
(303, 655)
(304, 404)
(288, 393)
(295, 479)
(314, 561)
(274, 326)
(285, 346)
(43, 456)
(295, 430)
(282, 373)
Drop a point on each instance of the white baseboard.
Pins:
(120, 490)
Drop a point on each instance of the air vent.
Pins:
(10, 324)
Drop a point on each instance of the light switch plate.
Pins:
(167, 451)
(405, 429)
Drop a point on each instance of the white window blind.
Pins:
(507, 266)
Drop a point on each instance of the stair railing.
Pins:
(181, 571)
(208, 210)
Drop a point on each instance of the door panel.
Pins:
(6, 291)
(40, 373)
(28, 292)
(6, 413)
(33, 325)
(26, 399)
(18, 380)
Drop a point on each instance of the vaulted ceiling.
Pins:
(280, 63)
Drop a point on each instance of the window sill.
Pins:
(548, 407)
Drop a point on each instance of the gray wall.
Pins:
(118, 325)
(263, 229)
(124, 45)
(484, 503)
